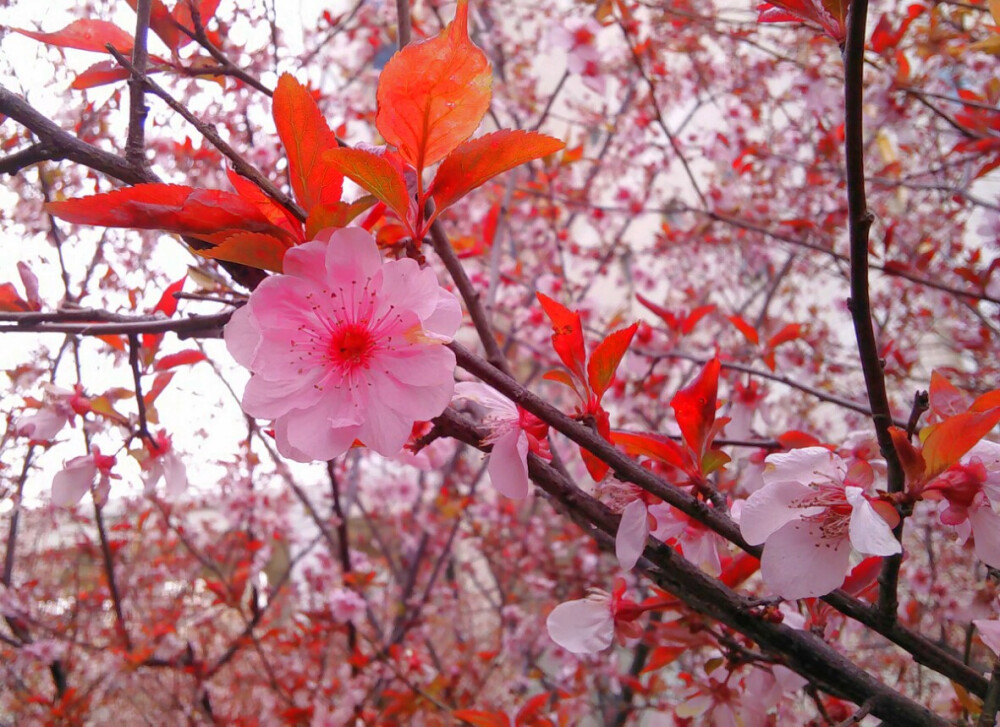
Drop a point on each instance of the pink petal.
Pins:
(406, 286)
(425, 365)
(798, 562)
(446, 317)
(633, 529)
(869, 533)
(498, 405)
(582, 627)
(242, 336)
(986, 530)
(385, 430)
(174, 474)
(508, 467)
(352, 251)
(769, 509)
(41, 426)
(270, 399)
(307, 261)
(989, 632)
(73, 482)
(312, 432)
(418, 403)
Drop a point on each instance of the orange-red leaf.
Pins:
(338, 214)
(275, 212)
(606, 357)
(476, 162)
(375, 174)
(173, 208)
(99, 74)
(696, 315)
(909, 457)
(92, 35)
(168, 301)
(481, 718)
(254, 249)
(945, 398)
(182, 15)
(182, 358)
(433, 94)
(162, 23)
(949, 441)
(786, 334)
(567, 335)
(306, 136)
(694, 408)
(11, 301)
(748, 331)
(655, 447)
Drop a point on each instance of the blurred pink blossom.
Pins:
(78, 476)
(589, 625)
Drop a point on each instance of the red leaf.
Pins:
(944, 397)
(480, 718)
(184, 210)
(275, 212)
(182, 15)
(182, 358)
(947, 442)
(655, 447)
(162, 23)
(116, 342)
(696, 315)
(830, 15)
(159, 384)
(665, 315)
(338, 214)
(794, 439)
(741, 567)
(99, 74)
(11, 301)
(168, 301)
(433, 94)
(375, 174)
(694, 408)
(477, 161)
(92, 35)
(989, 400)
(748, 331)
(254, 249)
(863, 575)
(567, 336)
(306, 136)
(786, 334)
(606, 357)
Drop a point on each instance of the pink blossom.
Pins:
(163, 463)
(513, 433)
(346, 605)
(969, 488)
(78, 476)
(589, 625)
(58, 410)
(989, 632)
(344, 346)
(811, 510)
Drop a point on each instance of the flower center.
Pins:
(351, 346)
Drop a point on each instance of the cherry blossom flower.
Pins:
(346, 605)
(810, 512)
(989, 632)
(344, 346)
(163, 463)
(589, 625)
(514, 432)
(78, 476)
(58, 410)
(969, 489)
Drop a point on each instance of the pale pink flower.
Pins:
(346, 605)
(78, 477)
(58, 410)
(809, 513)
(989, 632)
(163, 463)
(513, 433)
(589, 625)
(344, 346)
(970, 488)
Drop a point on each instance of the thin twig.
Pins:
(135, 143)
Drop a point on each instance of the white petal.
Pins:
(869, 533)
(798, 562)
(769, 508)
(989, 632)
(633, 530)
(496, 404)
(582, 627)
(804, 465)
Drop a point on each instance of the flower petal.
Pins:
(582, 627)
(989, 632)
(869, 533)
(74, 481)
(769, 509)
(803, 465)
(508, 467)
(352, 252)
(497, 405)
(242, 336)
(798, 562)
(633, 530)
(986, 530)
